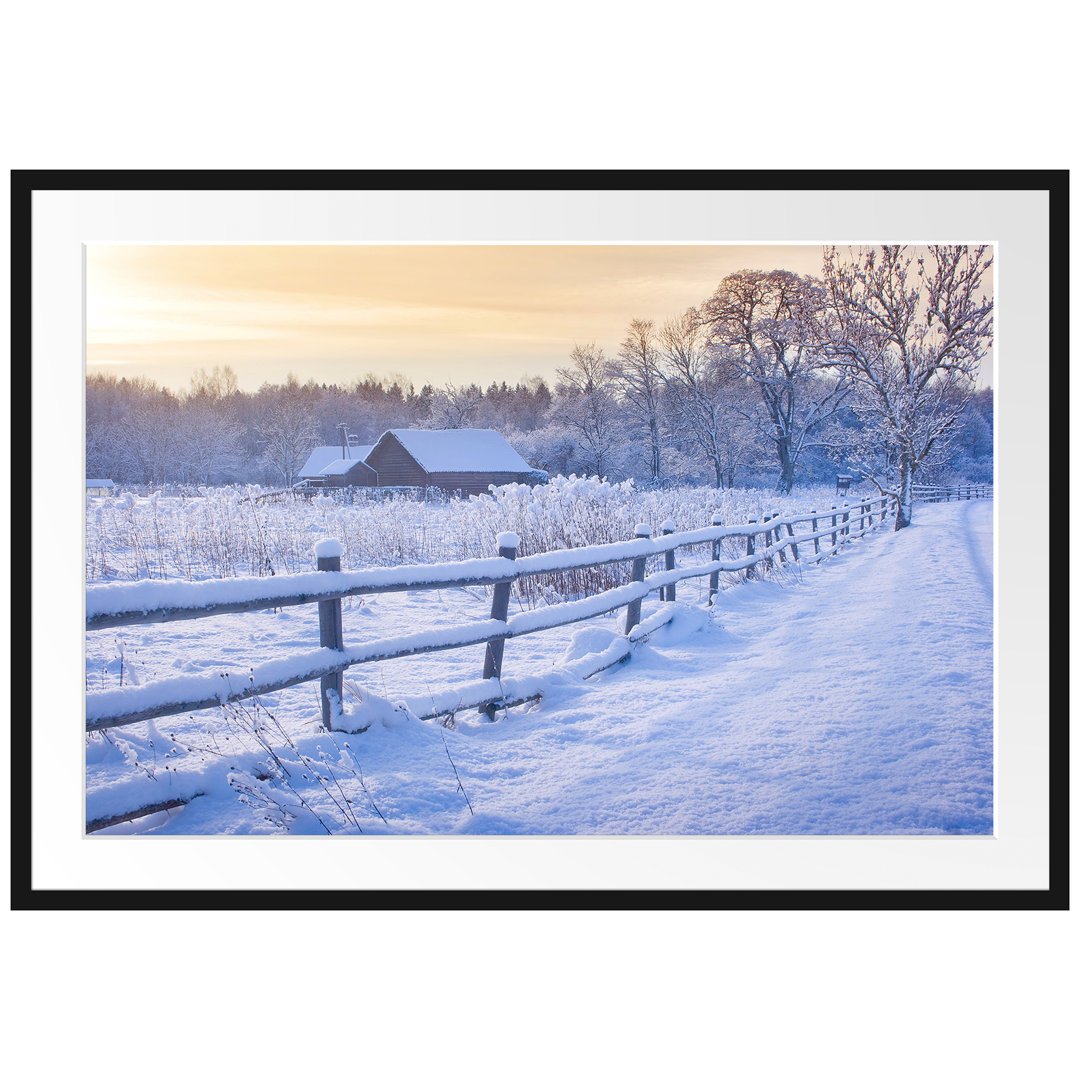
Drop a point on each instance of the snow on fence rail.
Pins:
(130, 603)
(942, 493)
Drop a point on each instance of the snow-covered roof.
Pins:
(322, 456)
(342, 465)
(460, 450)
(99, 483)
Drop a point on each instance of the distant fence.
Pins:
(943, 493)
(770, 542)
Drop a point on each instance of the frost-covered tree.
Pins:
(637, 378)
(908, 333)
(206, 436)
(455, 406)
(220, 385)
(146, 440)
(288, 432)
(763, 321)
(586, 405)
(108, 401)
(973, 445)
(130, 426)
(206, 443)
(553, 448)
(704, 396)
(505, 408)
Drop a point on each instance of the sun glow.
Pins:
(438, 313)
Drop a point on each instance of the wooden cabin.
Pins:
(100, 487)
(465, 460)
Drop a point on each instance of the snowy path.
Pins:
(859, 700)
(854, 698)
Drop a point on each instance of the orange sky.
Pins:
(433, 313)
(430, 313)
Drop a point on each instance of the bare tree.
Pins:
(207, 436)
(636, 375)
(207, 442)
(908, 333)
(222, 383)
(586, 404)
(453, 406)
(703, 393)
(764, 321)
(145, 441)
(288, 432)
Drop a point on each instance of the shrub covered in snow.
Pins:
(227, 532)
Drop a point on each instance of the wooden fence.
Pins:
(802, 537)
(942, 493)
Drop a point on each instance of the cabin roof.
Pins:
(322, 456)
(460, 450)
(343, 466)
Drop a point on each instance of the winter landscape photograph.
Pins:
(526, 539)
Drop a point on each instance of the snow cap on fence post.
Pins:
(507, 541)
(642, 530)
(328, 548)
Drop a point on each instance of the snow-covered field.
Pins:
(854, 697)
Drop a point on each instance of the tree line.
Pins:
(776, 378)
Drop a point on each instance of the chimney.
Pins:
(344, 441)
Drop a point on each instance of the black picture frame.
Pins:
(25, 184)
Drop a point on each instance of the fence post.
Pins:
(767, 537)
(328, 557)
(714, 577)
(669, 559)
(835, 535)
(794, 547)
(778, 538)
(637, 573)
(500, 604)
(750, 575)
(813, 525)
(847, 515)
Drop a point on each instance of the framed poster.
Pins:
(62, 222)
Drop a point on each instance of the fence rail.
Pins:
(776, 537)
(943, 493)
